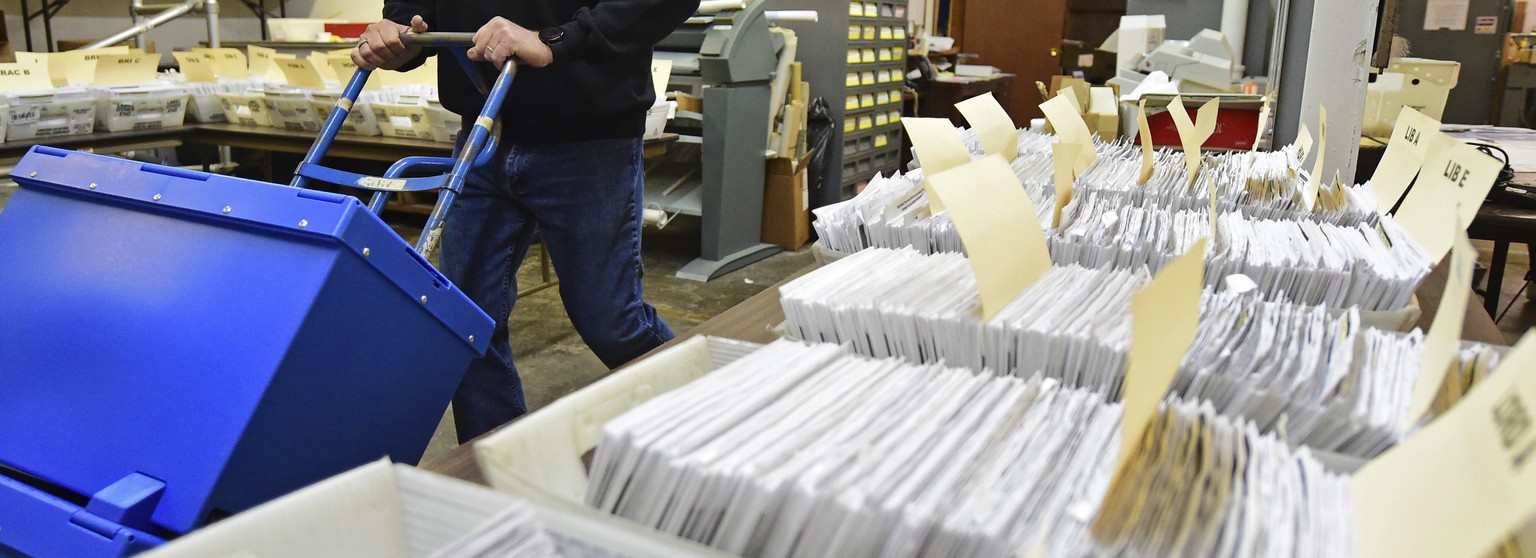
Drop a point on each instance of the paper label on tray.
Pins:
(227, 62)
(20, 77)
(123, 69)
(196, 67)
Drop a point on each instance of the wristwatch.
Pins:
(551, 35)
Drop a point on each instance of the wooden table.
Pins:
(751, 320)
(379, 149)
(349, 146)
(109, 142)
(346, 146)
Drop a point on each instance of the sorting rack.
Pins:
(850, 59)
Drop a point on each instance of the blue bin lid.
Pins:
(277, 213)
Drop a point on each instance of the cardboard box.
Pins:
(1103, 115)
(786, 209)
(686, 102)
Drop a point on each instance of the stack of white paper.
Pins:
(1266, 185)
(1372, 267)
(893, 212)
(833, 455)
(800, 450)
(1344, 388)
(514, 533)
(1326, 382)
(1340, 254)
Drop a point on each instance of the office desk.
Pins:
(1503, 225)
(938, 98)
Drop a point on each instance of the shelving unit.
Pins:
(856, 59)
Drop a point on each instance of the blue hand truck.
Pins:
(177, 346)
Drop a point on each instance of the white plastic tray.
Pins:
(61, 111)
(248, 108)
(404, 120)
(291, 110)
(360, 119)
(445, 124)
(145, 107)
(384, 510)
(540, 455)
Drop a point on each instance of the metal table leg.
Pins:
(47, 26)
(26, 22)
(1496, 278)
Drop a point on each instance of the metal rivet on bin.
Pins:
(34, 175)
(157, 197)
(423, 299)
(471, 339)
(303, 223)
(92, 186)
(227, 209)
(366, 252)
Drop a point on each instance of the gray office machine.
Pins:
(728, 59)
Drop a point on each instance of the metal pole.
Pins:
(151, 23)
(261, 14)
(47, 27)
(26, 22)
(211, 11)
(134, 9)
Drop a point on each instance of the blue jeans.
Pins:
(586, 200)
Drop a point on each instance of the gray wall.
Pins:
(1187, 17)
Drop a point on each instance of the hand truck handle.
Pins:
(439, 40)
(478, 146)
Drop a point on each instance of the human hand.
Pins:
(381, 46)
(500, 40)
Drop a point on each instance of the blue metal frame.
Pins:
(478, 148)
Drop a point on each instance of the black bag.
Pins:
(818, 136)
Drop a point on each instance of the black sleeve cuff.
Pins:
(572, 46)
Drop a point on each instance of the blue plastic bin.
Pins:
(175, 346)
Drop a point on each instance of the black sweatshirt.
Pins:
(599, 85)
